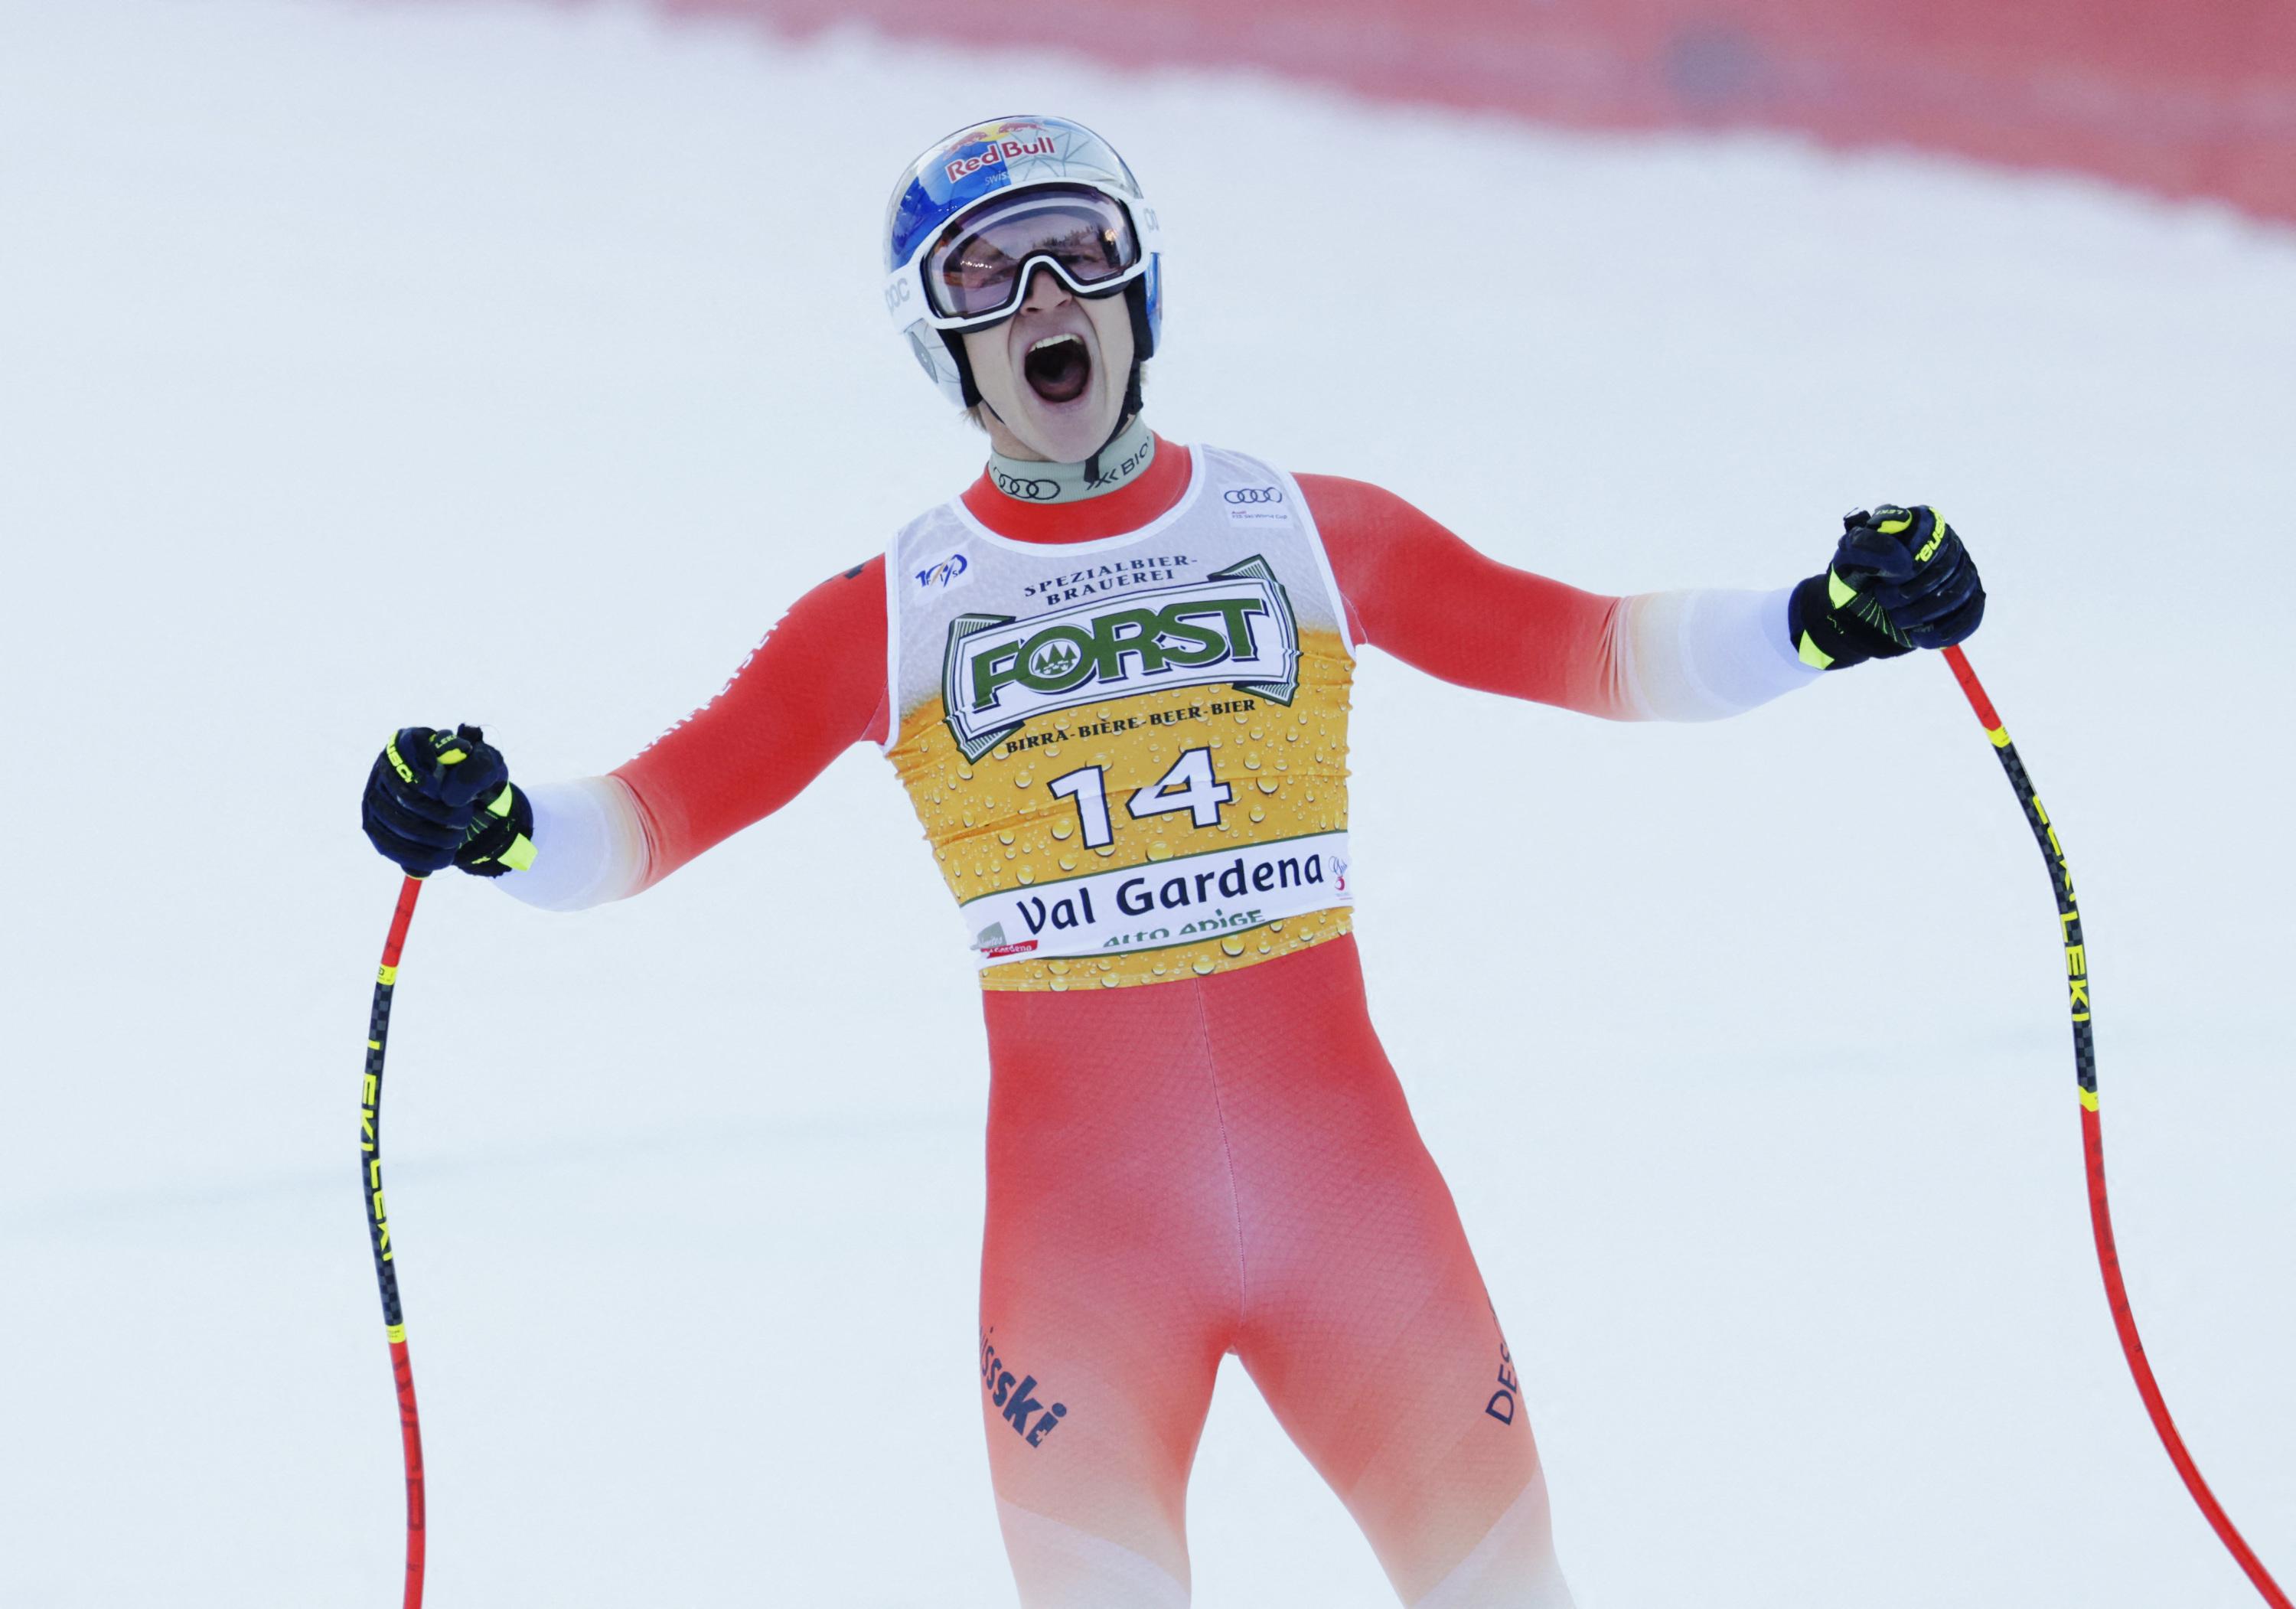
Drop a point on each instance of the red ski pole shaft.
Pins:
(378, 1226)
(2100, 1210)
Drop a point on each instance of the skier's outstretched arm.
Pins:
(815, 686)
(1419, 591)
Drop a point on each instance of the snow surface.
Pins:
(365, 365)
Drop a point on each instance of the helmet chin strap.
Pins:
(1125, 415)
(1144, 347)
(954, 342)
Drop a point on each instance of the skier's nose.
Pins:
(1046, 291)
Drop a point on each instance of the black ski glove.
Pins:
(440, 797)
(1901, 580)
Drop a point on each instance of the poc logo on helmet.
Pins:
(1001, 672)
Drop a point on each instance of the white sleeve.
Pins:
(589, 846)
(1704, 655)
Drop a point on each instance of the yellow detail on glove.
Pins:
(1937, 539)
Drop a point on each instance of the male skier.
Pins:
(1113, 675)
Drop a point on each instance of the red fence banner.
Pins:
(2181, 97)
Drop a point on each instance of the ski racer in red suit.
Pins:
(1114, 675)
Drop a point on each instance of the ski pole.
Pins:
(2099, 1211)
(378, 1228)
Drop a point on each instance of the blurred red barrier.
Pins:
(2185, 97)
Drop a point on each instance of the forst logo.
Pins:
(1188, 633)
(1000, 151)
(1236, 627)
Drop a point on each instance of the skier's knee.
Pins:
(1512, 1567)
(1058, 1565)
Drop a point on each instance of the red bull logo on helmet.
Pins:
(995, 151)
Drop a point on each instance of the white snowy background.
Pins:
(370, 365)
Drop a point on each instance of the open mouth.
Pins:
(1057, 368)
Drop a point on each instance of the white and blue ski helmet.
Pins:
(979, 171)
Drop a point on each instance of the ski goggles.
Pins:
(976, 271)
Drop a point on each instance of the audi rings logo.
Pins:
(1242, 496)
(1027, 491)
